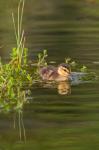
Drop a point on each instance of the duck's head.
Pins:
(64, 70)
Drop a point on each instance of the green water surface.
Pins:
(53, 121)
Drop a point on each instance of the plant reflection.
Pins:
(16, 107)
(18, 121)
(18, 115)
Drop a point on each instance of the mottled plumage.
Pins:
(60, 73)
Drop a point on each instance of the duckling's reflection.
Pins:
(64, 88)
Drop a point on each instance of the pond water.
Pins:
(51, 120)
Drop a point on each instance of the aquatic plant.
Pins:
(75, 66)
(41, 61)
(14, 75)
(12, 81)
(19, 53)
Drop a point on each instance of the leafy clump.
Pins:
(14, 75)
(42, 59)
(12, 82)
(76, 66)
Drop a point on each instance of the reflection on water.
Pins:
(53, 120)
(18, 121)
(64, 88)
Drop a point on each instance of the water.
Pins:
(52, 120)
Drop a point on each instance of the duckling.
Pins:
(60, 73)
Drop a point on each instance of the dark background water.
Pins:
(53, 121)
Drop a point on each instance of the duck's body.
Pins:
(60, 73)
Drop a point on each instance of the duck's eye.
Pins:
(65, 70)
